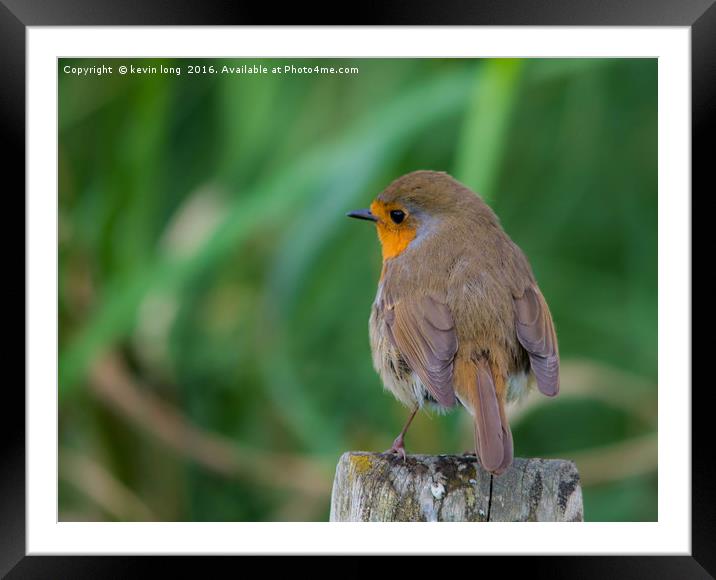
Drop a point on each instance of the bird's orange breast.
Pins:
(394, 238)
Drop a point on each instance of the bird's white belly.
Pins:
(517, 386)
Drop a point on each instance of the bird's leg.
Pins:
(399, 442)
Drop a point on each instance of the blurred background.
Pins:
(214, 300)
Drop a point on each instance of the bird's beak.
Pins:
(362, 214)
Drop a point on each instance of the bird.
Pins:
(458, 317)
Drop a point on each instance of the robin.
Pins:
(458, 316)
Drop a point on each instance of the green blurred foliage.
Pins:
(203, 246)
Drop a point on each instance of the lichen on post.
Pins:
(382, 487)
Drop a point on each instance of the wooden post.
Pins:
(372, 487)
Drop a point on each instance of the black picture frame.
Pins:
(17, 15)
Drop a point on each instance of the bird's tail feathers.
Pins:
(493, 437)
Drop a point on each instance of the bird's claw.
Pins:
(397, 448)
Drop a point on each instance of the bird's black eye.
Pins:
(397, 215)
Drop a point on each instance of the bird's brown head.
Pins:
(414, 205)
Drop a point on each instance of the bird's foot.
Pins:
(398, 448)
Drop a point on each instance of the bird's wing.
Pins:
(535, 332)
(423, 331)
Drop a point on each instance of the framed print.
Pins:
(203, 345)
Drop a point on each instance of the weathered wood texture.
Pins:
(372, 487)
